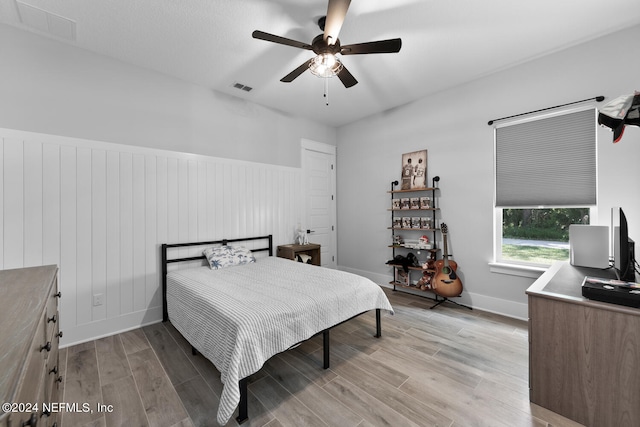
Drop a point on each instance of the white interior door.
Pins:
(318, 168)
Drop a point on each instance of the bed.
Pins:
(240, 316)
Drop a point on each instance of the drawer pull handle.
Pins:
(54, 370)
(58, 295)
(59, 379)
(33, 421)
(59, 334)
(47, 347)
(52, 319)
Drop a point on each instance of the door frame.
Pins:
(309, 145)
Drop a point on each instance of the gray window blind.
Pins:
(547, 162)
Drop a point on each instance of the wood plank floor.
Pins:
(444, 367)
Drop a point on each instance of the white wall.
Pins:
(53, 88)
(452, 126)
(100, 212)
(87, 183)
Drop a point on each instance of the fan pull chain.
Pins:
(326, 91)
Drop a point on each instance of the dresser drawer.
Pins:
(52, 373)
(52, 315)
(37, 358)
(20, 418)
(32, 388)
(29, 340)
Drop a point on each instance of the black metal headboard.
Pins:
(165, 261)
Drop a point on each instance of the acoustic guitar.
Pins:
(446, 282)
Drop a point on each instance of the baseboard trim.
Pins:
(107, 327)
(482, 302)
(104, 328)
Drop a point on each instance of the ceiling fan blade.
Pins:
(280, 40)
(336, 11)
(347, 78)
(380, 46)
(295, 73)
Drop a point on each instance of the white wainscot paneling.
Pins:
(100, 212)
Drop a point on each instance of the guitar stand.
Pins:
(445, 299)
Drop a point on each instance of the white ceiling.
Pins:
(209, 43)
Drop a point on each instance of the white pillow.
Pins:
(227, 256)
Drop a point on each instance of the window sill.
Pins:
(517, 269)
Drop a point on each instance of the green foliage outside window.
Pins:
(542, 224)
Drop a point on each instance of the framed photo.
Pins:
(401, 277)
(414, 170)
(406, 222)
(425, 222)
(425, 202)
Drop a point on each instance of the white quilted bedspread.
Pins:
(238, 317)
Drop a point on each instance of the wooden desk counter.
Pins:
(584, 355)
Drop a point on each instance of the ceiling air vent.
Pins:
(242, 87)
(46, 22)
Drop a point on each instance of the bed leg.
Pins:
(325, 347)
(378, 327)
(242, 406)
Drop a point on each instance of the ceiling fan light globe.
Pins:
(329, 60)
(325, 65)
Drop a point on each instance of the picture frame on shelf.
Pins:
(425, 222)
(414, 170)
(401, 277)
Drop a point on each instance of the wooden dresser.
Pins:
(583, 354)
(29, 338)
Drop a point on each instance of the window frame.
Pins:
(524, 268)
(497, 244)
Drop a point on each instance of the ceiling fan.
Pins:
(327, 45)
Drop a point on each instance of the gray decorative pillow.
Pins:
(227, 256)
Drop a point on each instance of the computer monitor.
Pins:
(623, 247)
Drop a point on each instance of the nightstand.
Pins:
(292, 251)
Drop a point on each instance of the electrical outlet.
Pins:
(98, 299)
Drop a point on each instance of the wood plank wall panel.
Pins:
(138, 239)
(150, 218)
(67, 273)
(33, 206)
(100, 211)
(113, 260)
(98, 229)
(84, 217)
(14, 204)
(126, 233)
(51, 205)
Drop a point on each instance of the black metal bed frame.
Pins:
(242, 406)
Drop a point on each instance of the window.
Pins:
(539, 236)
(545, 176)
